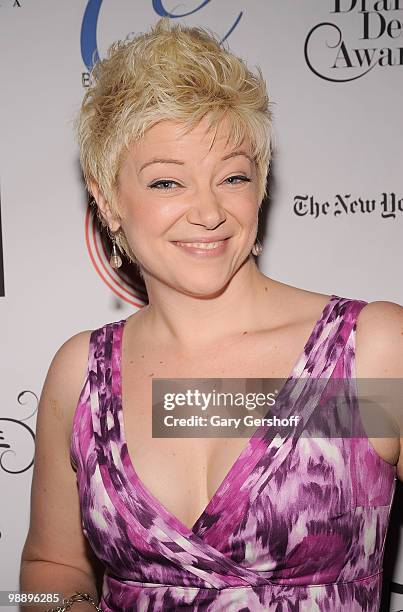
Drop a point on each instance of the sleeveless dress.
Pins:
(297, 525)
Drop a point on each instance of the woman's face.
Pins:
(189, 207)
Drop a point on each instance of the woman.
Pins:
(175, 146)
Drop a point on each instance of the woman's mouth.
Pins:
(205, 248)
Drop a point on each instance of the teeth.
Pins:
(201, 245)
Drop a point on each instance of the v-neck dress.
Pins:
(297, 525)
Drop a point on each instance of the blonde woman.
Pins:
(175, 140)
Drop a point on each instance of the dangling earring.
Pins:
(257, 249)
(115, 260)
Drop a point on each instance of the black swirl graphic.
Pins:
(333, 46)
(8, 444)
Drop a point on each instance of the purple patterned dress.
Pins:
(297, 525)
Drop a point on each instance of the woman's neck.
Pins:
(193, 323)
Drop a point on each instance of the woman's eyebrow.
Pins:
(236, 153)
(160, 160)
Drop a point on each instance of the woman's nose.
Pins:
(206, 211)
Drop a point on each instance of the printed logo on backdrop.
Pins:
(13, 4)
(88, 38)
(358, 36)
(17, 439)
(386, 206)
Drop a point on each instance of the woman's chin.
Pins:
(207, 294)
(204, 289)
(197, 283)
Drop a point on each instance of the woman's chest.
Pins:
(184, 472)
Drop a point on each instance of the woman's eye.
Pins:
(233, 180)
(163, 185)
(167, 185)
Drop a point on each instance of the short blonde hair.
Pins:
(172, 72)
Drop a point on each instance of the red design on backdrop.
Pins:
(125, 282)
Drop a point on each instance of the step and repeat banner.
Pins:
(333, 223)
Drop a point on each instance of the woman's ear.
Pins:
(104, 207)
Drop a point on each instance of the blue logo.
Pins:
(88, 37)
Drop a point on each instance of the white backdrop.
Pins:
(334, 74)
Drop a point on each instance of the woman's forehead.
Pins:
(168, 133)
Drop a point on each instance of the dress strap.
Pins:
(102, 398)
(301, 395)
(323, 351)
(333, 337)
(86, 416)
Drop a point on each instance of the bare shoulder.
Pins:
(379, 340)
(379, 355)
(73, 349)
(65, 378)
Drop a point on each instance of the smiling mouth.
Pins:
(204, 247)
(201, 245)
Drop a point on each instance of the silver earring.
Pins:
(115, 259)
(257, 249)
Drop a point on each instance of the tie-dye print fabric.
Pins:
(297, 525)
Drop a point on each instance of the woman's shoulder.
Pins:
(75, 349)
(379, 340)
(66, 377)
(379, 324)
(378, 360)
(71, 358)
(72, 354)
